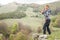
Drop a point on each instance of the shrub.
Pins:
(20, 36)
(53, 19)
(11, 37)
(24, 28)
(1, 37)
(56, 22)
(39, 30)
(4, 29)
(14, 15)
(13, 29)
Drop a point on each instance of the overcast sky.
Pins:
(27, 1)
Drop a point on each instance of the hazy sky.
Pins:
(27, 1)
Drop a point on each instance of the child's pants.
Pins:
(46, 27)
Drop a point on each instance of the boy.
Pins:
(46, 12)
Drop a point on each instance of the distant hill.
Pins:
(55, 7)
(0, 5)
(8, 8)
(14, 6)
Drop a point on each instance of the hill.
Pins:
(8, 8)
(32, 9)
(14, 6)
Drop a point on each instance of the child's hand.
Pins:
(42, 11)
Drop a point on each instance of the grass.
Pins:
(54, 36)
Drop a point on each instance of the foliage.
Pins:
(11, 37)
(1, 37)
(3, 28)
(54, 36)
(20, 36)
(16, 15)
(56, 21)
(13, 29)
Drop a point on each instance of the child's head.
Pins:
(46, 7)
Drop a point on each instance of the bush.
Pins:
(39, 30)
(3, 28)
(14, 28)
(11, 37)
(20, 36)
(56, 22)
(24, 28)
(1, 37)
(53, 19)
(14, 15)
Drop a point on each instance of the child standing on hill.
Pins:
(46, 12)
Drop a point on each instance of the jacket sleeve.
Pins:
(49, 12)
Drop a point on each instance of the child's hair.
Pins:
(47, 5)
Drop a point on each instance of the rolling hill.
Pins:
(8, 8)
(13, 6)
(14, 9)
